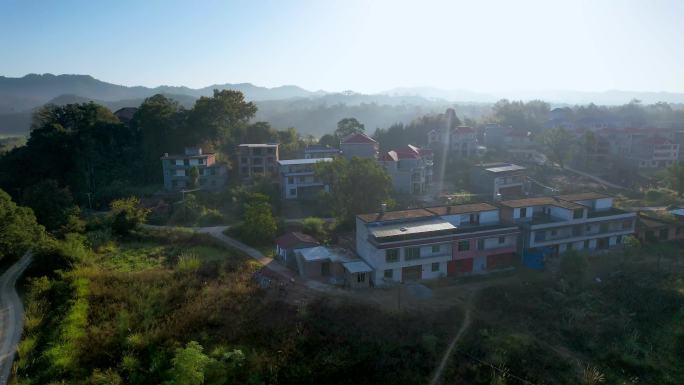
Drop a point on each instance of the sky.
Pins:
(365, 46)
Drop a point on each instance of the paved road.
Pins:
(11, 316)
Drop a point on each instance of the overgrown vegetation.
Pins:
(625, 328)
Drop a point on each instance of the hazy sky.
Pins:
(367, 46)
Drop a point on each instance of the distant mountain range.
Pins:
(311, 112)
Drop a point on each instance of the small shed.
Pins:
(288, 243)
(322, 262)
(357, 274)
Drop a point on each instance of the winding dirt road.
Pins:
(11, 316)
(461, 330)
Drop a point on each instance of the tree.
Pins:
(52, 205)
(159, 120)
(259, 225)
(356, 186)
(329, 140)
(19, 229)
(188, 365)
(557, 145)
(675, 177)
(348, 126)
(314, 227)
(126, 215)
(221, 119)
(193, 175)
(260, 132)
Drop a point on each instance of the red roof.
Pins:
(295, 238)
(358, 138)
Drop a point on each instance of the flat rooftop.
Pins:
(582, 196)
(289, 162)
(412, 228)
(462, 209)
(541, 201)
(509, 168)
(259, 145)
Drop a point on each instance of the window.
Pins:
(586, 244)
(389, 273)
(244, 160)
(435, 248)
(392, 255)
(480, 244)
(588, 228)
(523, 212)
(568, 247)
(663, 234)
(619, 239)
(604, 227)
(412, 253)
(435, 266)
(502, 240)
(554, 233)
(578, 214)
(626, 225)
(186, 162)
(361, 277)
(290, 180)
(293, 191)
(539, 236)
(463, 245)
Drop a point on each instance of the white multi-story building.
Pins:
(298, 179)
(410, 169)
(434, 242)
(460, 141)
(553, 225)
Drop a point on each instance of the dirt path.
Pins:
(596, 179)
(467, 320)
(11, 316)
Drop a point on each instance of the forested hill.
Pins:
(30, 91)
(311, 112)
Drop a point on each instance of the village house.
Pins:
(334, 266)
(659, 226)
(314, 151)
(177, 172)
(553, 225)
(435, 242)
(410, 169)
(257, 159)
(459, 141)
(287, 244)
(498, 181)
(359, 145)
(298, 179)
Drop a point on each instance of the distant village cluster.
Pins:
(511, 226)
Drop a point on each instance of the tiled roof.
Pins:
(358, 137)
(582, 196)
(541, 201)
(395, 215)
(462, 209)
(295, 238)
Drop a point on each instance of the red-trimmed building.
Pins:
(359, 145)
(410, 168)
(435, 242)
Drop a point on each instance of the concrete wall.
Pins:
(365, 150)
